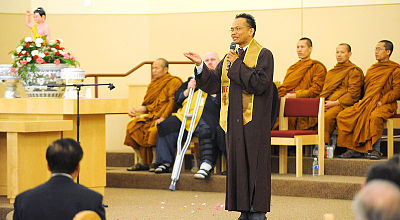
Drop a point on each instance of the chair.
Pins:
(391, 124)
(86, 215)
(9, 216)
(299, 107)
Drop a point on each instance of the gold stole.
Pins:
(36, 34)
(250, 59)
(181, 111)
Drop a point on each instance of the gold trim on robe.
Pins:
(250, 59)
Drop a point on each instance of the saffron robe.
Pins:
(141, 132)
(343, 83)
(306, 79)
(248, 146)
(361, 125)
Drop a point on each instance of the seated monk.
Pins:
(158, 104)
(303, 79)
(360, 126)
(342, 88)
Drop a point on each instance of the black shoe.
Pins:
(350, 154)
(138, 167)
(257, 216)
(375, 155)
(244, 216)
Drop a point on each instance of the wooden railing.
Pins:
(96, 76)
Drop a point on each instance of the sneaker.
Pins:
(375, 155)
(202, 174)
(163, 168)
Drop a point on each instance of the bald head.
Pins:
(343, 53)
(159, 68)
(378, 200)
(211, 59)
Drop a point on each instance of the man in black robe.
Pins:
(246, 87)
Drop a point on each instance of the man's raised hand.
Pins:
(194, 57)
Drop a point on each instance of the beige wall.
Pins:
(15, 6)
(168, 7)
(114, 43)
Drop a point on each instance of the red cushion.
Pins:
(292, 133)
(395, 116)
(301, 107)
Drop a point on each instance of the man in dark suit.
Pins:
(60, 197)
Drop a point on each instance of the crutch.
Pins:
(181, 150)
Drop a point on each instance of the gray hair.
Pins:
(378, 200)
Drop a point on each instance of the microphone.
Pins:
(111, 86)
(231, 47)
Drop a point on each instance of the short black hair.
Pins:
(40, 11)
(387, 170)
(348, 46)
(395, 159)
(309, 42)
(64, 155)
(164, 61)
(249, 19)
(388, 45)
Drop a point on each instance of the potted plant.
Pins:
(38, 63)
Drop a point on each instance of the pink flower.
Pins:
(13, 70)
(66, 56)
(57, 61)
(39, 60)
(73, 58)
(23, 62)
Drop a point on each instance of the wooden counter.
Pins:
(29, 125)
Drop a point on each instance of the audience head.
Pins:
(159, 68)
(211, 59)
(395, 160)
(304, 48)
(343, 53)
(378, 200)
(383, 50)
(243, 29)
(386, 170)
(39, 15)
(64, 155)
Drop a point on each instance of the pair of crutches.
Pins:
(180, 154)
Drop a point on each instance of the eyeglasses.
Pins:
(380, 48)
(237, 29)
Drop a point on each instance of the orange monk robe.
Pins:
(141, 132)
(361, 125)
(306, 79)
(342, 83)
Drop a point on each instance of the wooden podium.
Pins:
(29, 125)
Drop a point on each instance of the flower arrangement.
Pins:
(31, 52)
